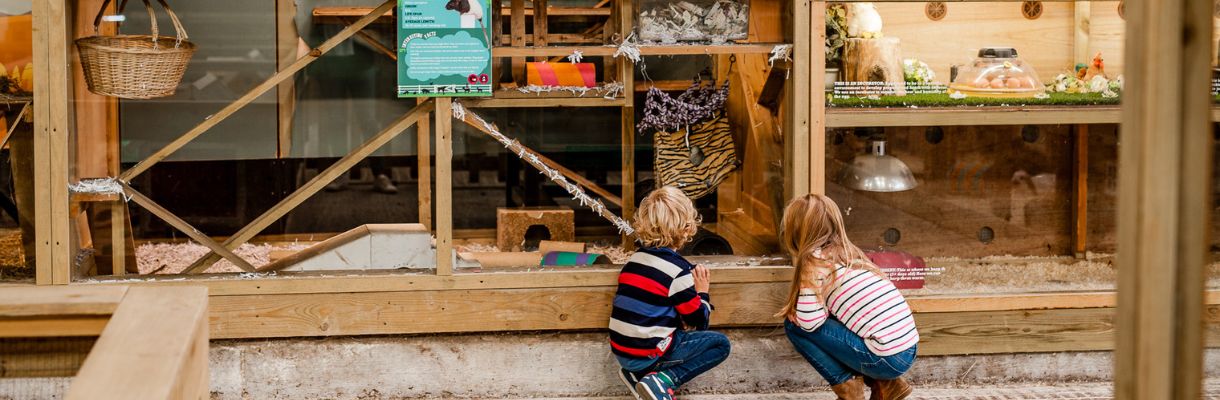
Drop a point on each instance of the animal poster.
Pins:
(444, 48)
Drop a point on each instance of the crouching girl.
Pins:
(847, 320)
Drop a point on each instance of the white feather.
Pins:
(862, 18)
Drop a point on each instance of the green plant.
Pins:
(836, 34)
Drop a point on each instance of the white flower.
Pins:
(958, 95)
(1098, 84)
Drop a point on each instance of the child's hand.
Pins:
(703, 278)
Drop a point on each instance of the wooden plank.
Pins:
(59, 326)
(254, 93)
(376, 44)
(1080, 194)
(317, 183)
(798, 107)
(1081, 12)
(423, 154)
(96, 116)
(389, 281)
(1090, 329)
(544, 102)
(31, 301)
(118, 238)
(444, 185)
(565, 38)
(565, 11)
(567, 173)
(627, 202)
(186, 228)
(329, 13)
(155, 347)
(539, 36)
(52, 141)
(516, 28)
(965, 116)
(648, 50)
(808, 87)
(286, 45)
(1164, 203)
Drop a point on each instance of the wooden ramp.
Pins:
(372, 246)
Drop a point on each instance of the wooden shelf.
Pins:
(954, 116)
(336, 13)
(645, 49)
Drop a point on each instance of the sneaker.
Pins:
(630, 380)
(654, 387)
(338, 184)
(383, 184)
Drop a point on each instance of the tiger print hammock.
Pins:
(694, 158)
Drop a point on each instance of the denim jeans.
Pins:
(691, 354)
(838, 354)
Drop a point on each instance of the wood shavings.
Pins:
(173, 258)
(98, 186)
(629, 49)
(576, 56)
(781, 52)
(715, 21)
(609, 91)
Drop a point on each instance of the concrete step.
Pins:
(1058, 391)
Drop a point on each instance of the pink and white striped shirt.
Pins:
(868, 305)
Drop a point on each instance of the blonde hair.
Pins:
(666, 218)
(813, 233)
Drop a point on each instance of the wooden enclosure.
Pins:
(787, 147)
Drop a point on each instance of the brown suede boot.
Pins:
(850, 390)
(896, 389)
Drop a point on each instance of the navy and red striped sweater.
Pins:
(656, 296)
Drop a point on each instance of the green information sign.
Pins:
(444, 48)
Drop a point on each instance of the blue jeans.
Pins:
(691, 354)
(838, 354)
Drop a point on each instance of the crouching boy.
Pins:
(659, 325)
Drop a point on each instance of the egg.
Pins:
(1013, 83)
(997, 83)
(982, 83)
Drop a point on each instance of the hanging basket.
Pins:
(135, 66)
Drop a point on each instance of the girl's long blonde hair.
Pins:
(812, 231)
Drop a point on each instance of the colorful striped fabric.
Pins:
(868, 305)
(656, 296)
(567, 258)
(561, 74)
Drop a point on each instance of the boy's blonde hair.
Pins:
(666, 218)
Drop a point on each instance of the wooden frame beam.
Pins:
(249, 97)
(52, 140)
(444, 186)
(1165, 179)
(317, 184)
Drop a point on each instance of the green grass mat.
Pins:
(943, 100)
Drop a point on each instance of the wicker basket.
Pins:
(135, 66)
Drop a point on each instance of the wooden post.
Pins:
(1082, 11)
(1080, 194)
(118, 238)
(286, 42)
(444, 186)
(804, 113)
(516, 39)
(626, 68)
(52, 161)
(1165, 169)
(423, 155)
(540, 25)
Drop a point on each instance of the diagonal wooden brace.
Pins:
(254, 93)
(316, 184)
(185, 227)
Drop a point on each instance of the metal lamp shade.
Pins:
(878, 172)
